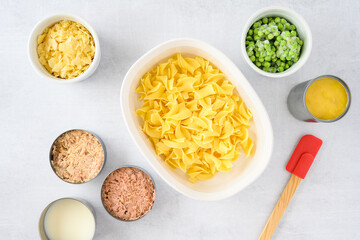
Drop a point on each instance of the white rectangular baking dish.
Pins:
(225, 184)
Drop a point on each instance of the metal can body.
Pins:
(128, 166)
(42, 229)
(101, 143)
(297, 100)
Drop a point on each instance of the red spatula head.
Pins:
(304, 155)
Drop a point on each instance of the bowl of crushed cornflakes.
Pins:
(64, 48)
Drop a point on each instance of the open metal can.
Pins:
(51, 155)
(103, 193)
(54, 223)
(297, 101)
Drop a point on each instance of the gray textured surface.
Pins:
(33, 112)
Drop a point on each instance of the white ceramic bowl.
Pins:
(225, 184)
(32, 48)
(302, 28)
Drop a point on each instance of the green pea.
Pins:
(273, 44)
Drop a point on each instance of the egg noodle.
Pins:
(192, 117)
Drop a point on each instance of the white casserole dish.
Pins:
(225, 184)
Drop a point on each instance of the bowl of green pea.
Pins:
(276, 42)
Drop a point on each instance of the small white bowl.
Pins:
(302, 28)
(245, 170)
(39, 29)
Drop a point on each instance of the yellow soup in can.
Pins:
(326, 98)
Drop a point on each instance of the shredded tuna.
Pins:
(128, 193)
(77, 156)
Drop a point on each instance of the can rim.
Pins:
(348, 98)
(85, 203)
(101, 143)
(127, 166)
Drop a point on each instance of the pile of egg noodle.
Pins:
(192, 117)
(66, 49)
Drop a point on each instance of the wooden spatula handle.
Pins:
(280, 207)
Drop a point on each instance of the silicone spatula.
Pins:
(299, 165)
